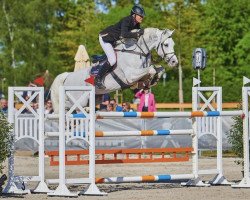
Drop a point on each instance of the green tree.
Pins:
(225, 25)
(25, 38)
(241, 51)
(76, 24)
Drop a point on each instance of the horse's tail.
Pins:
(54, 90)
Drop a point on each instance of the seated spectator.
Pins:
(27, 94)
(147, 101)
(110, 107)
(36, 106)
(105, 101)
(48, 107)
(126, 107)
(4, 106)
(116, 107)
(27, 110)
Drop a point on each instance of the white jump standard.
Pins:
(82, 126)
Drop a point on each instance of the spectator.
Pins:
(28, 110)
(116, 107)
(136, 100)
(126, 107)
(147, 101)
(48, 107)
(4, 106)
(105, 101)
(36, 106)
(110, 107)
(27, 94)
(32, 106)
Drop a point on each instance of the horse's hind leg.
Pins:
(55, 98)
(59, 80)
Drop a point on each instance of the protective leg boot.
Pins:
(99, 78)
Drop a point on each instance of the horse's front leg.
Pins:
(150, 79)
(159, 72)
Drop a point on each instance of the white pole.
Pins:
(219, 133)
(195, 107)
(62, 189)
(61, 136)
(12, 187)
(92, 188)
(12, 146)
(246, 134)
(42, 187)
(219, 179)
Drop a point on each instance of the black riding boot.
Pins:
(99, 77)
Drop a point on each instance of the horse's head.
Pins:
(165, 48)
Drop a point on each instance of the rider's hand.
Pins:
(140, 32)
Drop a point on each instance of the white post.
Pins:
(62, 189)
(245, 182)
(42, 187)
(219, 179)
(195, 156)
(195, 142)
(219, 138)
(245, 97)
(195, 105)
(12, 187)
(92, 188)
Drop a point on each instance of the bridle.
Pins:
(148, 54)
(161, 44)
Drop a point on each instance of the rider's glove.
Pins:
(140, 32)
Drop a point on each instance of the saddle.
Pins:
(126, 44)
(121, 45)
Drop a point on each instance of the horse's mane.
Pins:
(150, 29)
(148, 34)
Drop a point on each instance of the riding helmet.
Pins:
(138, 10)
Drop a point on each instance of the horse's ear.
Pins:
(171, 32)
(165, 31)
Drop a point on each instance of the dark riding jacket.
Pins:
(121, 29)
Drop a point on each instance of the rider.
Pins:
(111, 34)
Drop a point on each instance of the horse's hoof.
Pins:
(101, 87)
(99, 84)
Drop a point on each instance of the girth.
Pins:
(119, 81)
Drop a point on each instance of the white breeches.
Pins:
(109, 51)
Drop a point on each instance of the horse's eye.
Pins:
(166, 44)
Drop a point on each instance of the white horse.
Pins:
(133, 63)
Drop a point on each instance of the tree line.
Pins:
(38, 35)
